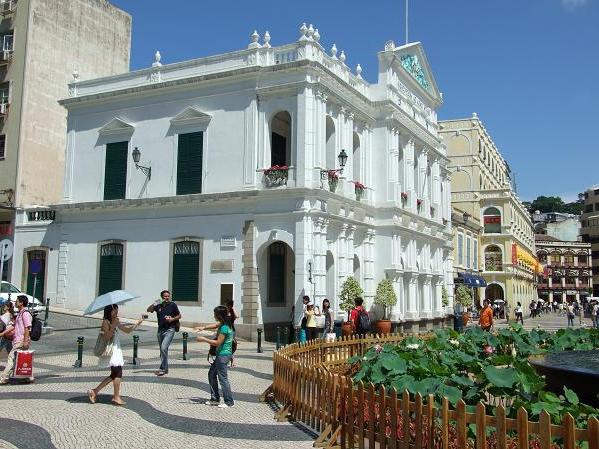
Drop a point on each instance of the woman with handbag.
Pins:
(108, 349)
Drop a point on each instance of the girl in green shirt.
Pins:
(218, 372)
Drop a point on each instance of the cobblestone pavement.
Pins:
(551, 321)
(54, 412)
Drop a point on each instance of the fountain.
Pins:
(577, 370)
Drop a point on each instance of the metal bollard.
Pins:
(259, 350)
(285, 336)
(135, 345)
(47, 312)
(278, 337)
(79, 361)
(185, 356)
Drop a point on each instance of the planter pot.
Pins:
(359, 194)
(347, 329)
(333, 184)
(465, 318)
(382, 327)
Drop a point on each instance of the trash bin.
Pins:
(458, 322)
(337, 328)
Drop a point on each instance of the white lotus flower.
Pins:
(454, 342)
(413, 346)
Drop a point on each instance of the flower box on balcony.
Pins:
(404, 196)
(276, 175)
(333, 178)
(359, 189)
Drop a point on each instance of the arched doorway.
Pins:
(276, 278)
(493, 292)
(280, 141)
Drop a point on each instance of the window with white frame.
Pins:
(468, 251)
(475, 254)
(460, 249)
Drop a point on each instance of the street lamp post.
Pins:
(324, 174)
(136, 157)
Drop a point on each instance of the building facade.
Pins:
(44, 43)
(589, 231)
(566, 274)
(258, 175)
(481, 185)
(565, 227)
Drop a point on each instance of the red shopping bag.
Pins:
(24, 364)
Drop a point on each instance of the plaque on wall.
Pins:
(228, 242)
(221, 266)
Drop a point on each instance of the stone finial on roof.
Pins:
(316, 36)
(359, 71)
(266, 40)
(75, 75)
(342, 57)
(303, 30)
(389, 45)
(334, 51)
(157, 58)
(474, 115)
(255, 37)
(310, 32)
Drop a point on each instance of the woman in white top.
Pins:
(110, 330)
(7, 326)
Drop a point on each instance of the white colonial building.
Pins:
(169, 185)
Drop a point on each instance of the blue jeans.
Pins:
(219, 370)
(165, 337)
(570, 320)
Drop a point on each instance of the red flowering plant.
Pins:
(359, 189)
(276, 168)
(404, 196)
(333, 177)
(276, 175)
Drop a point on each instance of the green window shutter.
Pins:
(186, 271)
(39, 285)
(111, 268)
(115, 171)
(189, 163)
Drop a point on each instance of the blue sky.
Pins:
(529, 68)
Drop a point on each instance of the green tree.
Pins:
(350, 290)
(547, 204)
(385, 296)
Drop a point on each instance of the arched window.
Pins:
(356, 159)
(110, 276)
(555, 258)
(280, 143)
(582, 259)
(331, 144)
(542, 257)
(493, 258)
(186, 271)
(569, 259)
(492, 220)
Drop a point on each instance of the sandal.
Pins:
(118, 403)
(92, 396)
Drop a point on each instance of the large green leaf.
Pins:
(452, 394)
(394, 363)
(501, 377)
(571, 396)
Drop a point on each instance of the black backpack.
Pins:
(363, 325)
(36, 327)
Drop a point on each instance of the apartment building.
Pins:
(589, 231)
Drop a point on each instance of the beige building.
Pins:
(589, 231)
(45, 44)
(481, 186)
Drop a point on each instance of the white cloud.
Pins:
(573, 4)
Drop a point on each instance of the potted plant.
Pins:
(444, 297)
(385, 296)
(350, 290)
(359, 189)
(333, 177)
(418, 204)
(276, 175)
(463, 298)
(432, 211)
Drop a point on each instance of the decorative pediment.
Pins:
(116, 126)
(412, 61)
(191, 116)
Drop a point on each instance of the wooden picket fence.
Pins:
(348, 415)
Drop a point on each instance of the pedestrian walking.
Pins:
(303, 320)
(21, 338)
(112, 356)
(570, 314)
(595, 314)
(311, 313)
(519, 313)
(7, 327)
(328, 319)
(168, 323)
(218, 372)
(359, 318)
(485, 320)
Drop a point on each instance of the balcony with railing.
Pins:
(41, 215)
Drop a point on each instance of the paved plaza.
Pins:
(551, 321)
(54, 412)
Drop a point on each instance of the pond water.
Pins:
(588, 360)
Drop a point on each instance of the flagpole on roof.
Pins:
(407, 12)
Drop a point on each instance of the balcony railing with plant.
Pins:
(277, 175)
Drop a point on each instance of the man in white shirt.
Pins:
(595, 314)
(570, 314)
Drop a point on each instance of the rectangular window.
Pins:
(189, 163)
(186, 271)
(111, 268)
(7, 43)
(115, 171)
(4, 93)
(475, 255)
(460, 249)
(468, 252)
(2, 146)
(226, 293)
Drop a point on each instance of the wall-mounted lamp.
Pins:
(465, 217)
(342, 158)
(136, 157)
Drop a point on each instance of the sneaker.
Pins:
(223, 405)
(212, 403)
(160, 373)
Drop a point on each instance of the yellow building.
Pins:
(481, 185)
